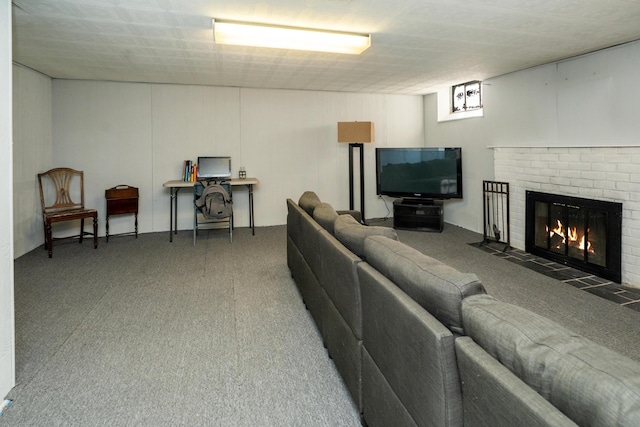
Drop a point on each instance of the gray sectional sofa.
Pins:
(419, 343)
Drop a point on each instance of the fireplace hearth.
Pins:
(583, 233)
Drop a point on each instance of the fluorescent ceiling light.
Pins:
(262, 35)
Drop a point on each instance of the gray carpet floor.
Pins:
(150, 333)
(146, 332)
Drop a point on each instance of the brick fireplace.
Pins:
(581, 233)
(601, 173)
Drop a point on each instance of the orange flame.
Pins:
(572, 236)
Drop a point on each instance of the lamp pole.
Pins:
(359, 146)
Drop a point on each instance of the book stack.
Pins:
(189, 171)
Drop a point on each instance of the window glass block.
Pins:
(466, 96)
(458, 98)
(473, 95)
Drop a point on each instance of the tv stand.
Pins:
(418, 214)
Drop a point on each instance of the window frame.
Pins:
(465, 91)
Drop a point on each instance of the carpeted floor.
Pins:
(146, 332)
(623, 295)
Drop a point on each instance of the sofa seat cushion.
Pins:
(325, 215)
(352, 234)
(308, 201)
(591, 384)
(354, 213)
(437, 287)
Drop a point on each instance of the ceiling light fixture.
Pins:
(264, 35)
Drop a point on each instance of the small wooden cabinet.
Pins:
(122, 199)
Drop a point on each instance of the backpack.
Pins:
(215, 202)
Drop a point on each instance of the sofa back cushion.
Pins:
(351, 233)
(437, 287)
(303, 231)
(591, 384)
(308, 201)
(494, 396)
(408, 358)
(325, 215)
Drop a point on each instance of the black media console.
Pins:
(418, 214)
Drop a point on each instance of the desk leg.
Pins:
(173, 213)
(171, 197)
(251, 220)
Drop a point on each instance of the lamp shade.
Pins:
(356, 132)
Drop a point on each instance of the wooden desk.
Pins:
(175, 186)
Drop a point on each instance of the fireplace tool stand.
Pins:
(495, 203)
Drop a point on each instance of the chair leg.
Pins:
(81, 229)
(95, 232)
(48, 240)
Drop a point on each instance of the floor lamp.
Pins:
(356, 133)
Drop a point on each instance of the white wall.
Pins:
(585, 101)
(139, 134)
(32, 153)
(7, 341)
(105, 129)
(477, 161)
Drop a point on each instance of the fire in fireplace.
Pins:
(583, 233)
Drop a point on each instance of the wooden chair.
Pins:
(60, 190)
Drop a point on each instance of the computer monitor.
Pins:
(214, 167)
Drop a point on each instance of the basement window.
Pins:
(462, 101)
(466, 97)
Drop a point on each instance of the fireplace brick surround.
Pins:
(603, 173)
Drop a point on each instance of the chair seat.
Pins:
(70, 214)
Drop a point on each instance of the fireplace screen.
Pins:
(583, 233)
(571, 231)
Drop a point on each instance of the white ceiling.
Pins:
(417, 47)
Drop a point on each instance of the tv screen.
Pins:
(214, 167)
(424, 173)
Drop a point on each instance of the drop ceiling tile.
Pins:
(416, 44)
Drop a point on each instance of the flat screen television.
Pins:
(422, 173)
(214, 167)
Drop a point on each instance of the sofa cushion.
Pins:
(308, 201)
(494, 396)
(354, 213)
(437, 287)
(409, 350)
(351, 233)
(591, 384)
(325, 215)
(340, 281)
